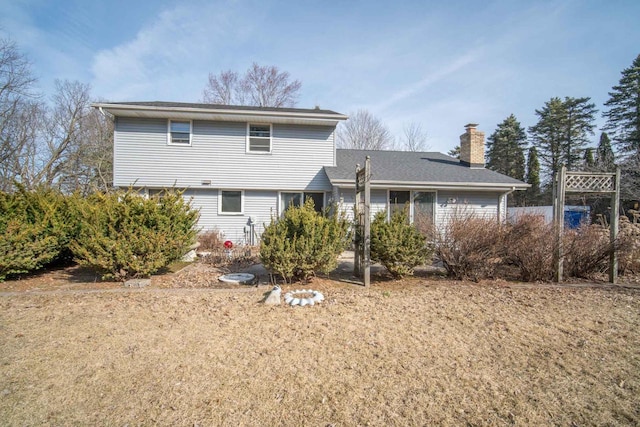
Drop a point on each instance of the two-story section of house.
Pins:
(239, 165)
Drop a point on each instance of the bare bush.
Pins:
(629, 247)
(210, 240)
(470, 247)
(587, 250)
(529, 246)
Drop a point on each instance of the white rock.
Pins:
(274, 296)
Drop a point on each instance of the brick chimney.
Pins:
(472, 147)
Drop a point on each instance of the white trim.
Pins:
(412, 195)
(301, 193)
(435, 203)
(388, 204)
(401, 185)
(118, 109)
(248, 138)
(220, 190)
(169, 139)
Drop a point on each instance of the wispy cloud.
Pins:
(165, 57)
(441, 73)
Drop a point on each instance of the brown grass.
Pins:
(402, 353)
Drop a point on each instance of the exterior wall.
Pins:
(447, 204)
(347, 201)
(259, 205)
(454, 203)
(218, 154)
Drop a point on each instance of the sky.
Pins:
(440, 64)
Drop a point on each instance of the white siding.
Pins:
(378, 201)
(452, 203)
(218, 154)
(259, 205)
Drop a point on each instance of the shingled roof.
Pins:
(191, 105)
(406, 168)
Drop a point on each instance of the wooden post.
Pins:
(357, 271)
(367, 222)
(559, 220)
(613, 228)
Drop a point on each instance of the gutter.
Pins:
(435, 185)
(308, 115)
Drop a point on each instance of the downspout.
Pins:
(505, 203)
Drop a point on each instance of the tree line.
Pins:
(57, 142)
(61, 142)
(562, 137)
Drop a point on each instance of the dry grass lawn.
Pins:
(418, 352)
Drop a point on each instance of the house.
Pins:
(242, 165)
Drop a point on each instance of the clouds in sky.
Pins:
(440, 64)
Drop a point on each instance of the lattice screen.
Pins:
(589, 183)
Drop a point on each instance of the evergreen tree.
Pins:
(589, 160)
(623, 115)
(605, 160)
(454, 152)
(532, 193)
(562, 132)
(505, 148)
(579, 125)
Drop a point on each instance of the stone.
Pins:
(137, 283)
(190, 256)
(274, 296)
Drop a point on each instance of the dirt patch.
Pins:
(414, 352)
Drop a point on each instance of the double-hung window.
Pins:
(259, 138)
(179, 132)
(230, 202)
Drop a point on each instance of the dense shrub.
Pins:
(470, 247)
(124, 234)
(303, 242)
(36, 228)
(397, 244)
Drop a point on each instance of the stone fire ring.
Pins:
(291, 299)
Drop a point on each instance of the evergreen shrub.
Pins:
(125, 235)
(397, 244)
(36, 228)
(303, 242)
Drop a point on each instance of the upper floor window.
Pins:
(259, 138)
(179, 132)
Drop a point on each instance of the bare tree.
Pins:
(365, 132)
(19, 111)
(261, 86)
(60, 133)
(415, 138)
(223, 88)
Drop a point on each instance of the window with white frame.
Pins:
(259, 138)
(180, 132)
(424, 208)
(288, 199)
(398, 201)
(230, 202)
